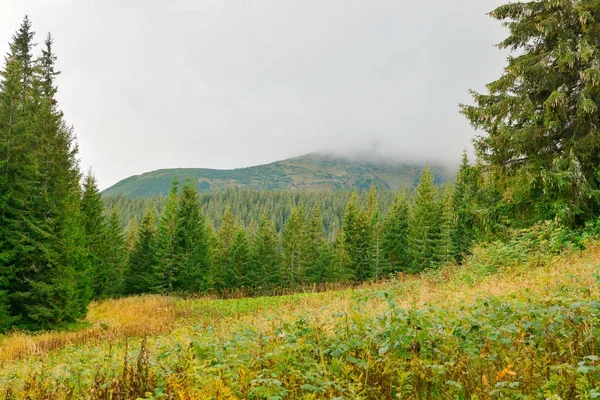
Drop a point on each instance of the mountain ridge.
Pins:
(313, 171)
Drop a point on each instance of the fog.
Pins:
(226, 84)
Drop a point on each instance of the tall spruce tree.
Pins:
(358, 240)
(323, 270)
(41, 246)
(61, 178)
(115, 257)
(266, 260)
(463, 203)
(424, 225)
(394, 235)
(446, 250)
(373, 206)
(165, 242)
(131, 232)
(224, 273)
(379, 269)
(18, 173)
(240, 259)
(192, 257)
(541, 118)
(293, 244)
(140, 274)
(342, 270)
(313, 246)
(15, 171)
(95, 232)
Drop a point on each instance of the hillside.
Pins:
(311, 171)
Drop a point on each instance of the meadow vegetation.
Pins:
(526, 328)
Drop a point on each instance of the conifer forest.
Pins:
(483, 287)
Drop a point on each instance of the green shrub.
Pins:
(534, 246)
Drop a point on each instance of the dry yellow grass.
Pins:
(110, 319)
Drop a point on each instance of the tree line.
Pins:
(179, 251)
(248, 204)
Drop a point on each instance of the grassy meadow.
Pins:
(529, 330)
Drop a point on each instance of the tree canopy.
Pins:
(540, 117)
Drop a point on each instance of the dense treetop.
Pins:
(540, 119)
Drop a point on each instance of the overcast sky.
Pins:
(152, 84)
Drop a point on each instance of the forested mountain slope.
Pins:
(310, 171)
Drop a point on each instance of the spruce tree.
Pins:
(323, 269)
(293, 244)
(342, 270)
(358, 240)
(266, 260)
(373, 206)
(18, 172)
(192, 258)
(313, 247)
(212, 243)
(541, 118)
(140, 273)
(224, 275)
(446, 250)
(379, 268)
(240, 259)
(165, 242)
(95, 231)
(131, 233)
(424, 225)
(60, 178)
(463, 203)
(115, 257)
(395, 230)
(12, 169)
(42, 246)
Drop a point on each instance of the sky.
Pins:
(151, 84)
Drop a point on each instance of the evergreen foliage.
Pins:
(464, 205)
(541, 116)
(358, 240)
(379, 267)
(131, 232)
(140, 275)
(95, 230)
(226, 274)
(395, 230)
(446, 252)
(248, 205)
(294, 246)
(266, 259)
(191, 245)
(342, 270)
(424, 226)
(115, 257)
(240, 261)
(44, 279)
(165, 242)
(314, 247)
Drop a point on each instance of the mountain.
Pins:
(313, 171)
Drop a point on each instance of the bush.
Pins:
(528, 247)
